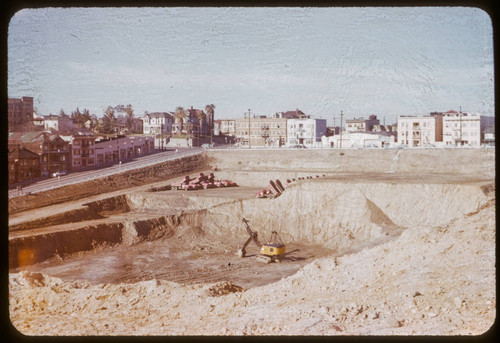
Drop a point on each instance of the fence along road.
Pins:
(77, 177)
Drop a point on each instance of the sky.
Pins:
(361, 61)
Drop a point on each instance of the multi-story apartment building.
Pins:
(305, 131)
(228, 127)
(158, 123)
(20, 112)
(261, 131)
(417, 131)
(360, 124)
(82, 149)
(461, 129)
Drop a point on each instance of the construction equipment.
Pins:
(272, 251)
(185, 184)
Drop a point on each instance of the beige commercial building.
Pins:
(418, 131)
(261, 131)
(461, 129)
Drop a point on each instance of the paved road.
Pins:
(83, 176)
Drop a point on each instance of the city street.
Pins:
(81, 176)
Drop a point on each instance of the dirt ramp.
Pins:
(171, 201)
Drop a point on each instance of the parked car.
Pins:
(59, 173)
(298, 146)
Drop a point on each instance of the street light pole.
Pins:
(117, 148)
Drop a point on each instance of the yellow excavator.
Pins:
(272, 251)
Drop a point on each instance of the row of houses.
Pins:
(438, 129)
(449, 128)
(292, 128)
(32, 155)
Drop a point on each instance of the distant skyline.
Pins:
(362, 61)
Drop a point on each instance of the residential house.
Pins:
(360, 124)
(158, 123)
(38, 122)
(62, 125)
(23, 164)
(306, 131)
(290, 114)
(53, 150)
(51, 122)
(197, 121)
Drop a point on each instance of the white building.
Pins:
(359, 140)
(417, 131)
(305, 131)
(158, 123)
(51, 122)
(228, 127)
(360, 124)
(461, 129)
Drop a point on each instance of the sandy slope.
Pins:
(431, 280)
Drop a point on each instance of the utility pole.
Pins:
(460, 116)
(341, 115)
(117, 147)
(48, 155)
(161, 128)
(249, 146)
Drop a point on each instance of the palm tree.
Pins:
(210, 113)
(201, 115)
(180, 114)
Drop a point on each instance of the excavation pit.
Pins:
(192, 237)
(391, 242)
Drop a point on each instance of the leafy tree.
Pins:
(80, 118)
(129, 117)
(108, 121)
(63, 114)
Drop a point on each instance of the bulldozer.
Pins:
(272, 251)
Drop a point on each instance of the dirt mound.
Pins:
(224, 288)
